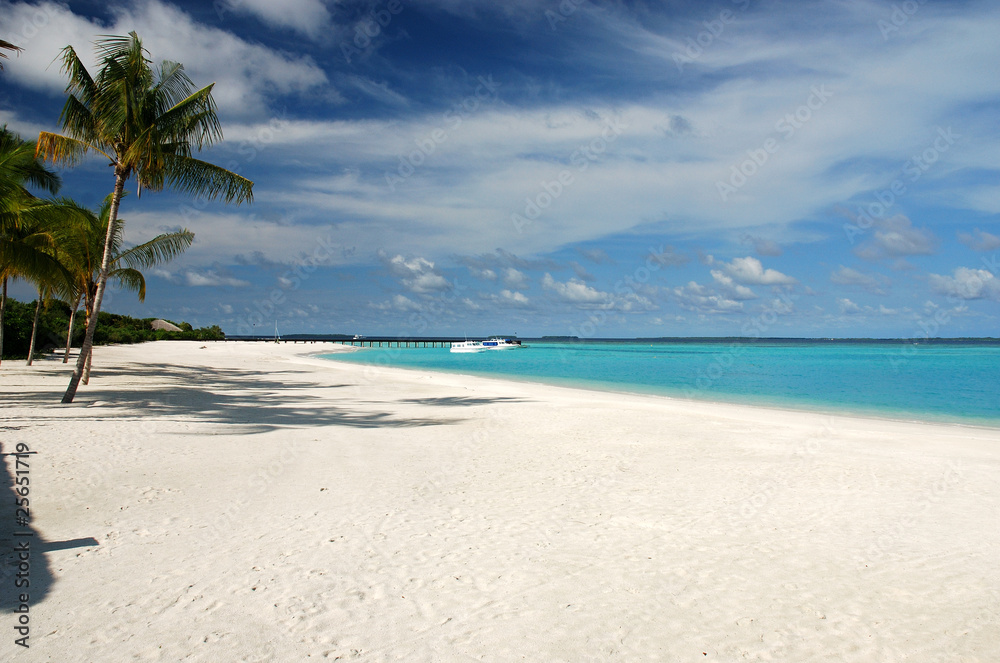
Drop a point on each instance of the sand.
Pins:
(247, 502)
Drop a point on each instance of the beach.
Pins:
(249, 502)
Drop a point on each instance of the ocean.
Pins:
(927, 382)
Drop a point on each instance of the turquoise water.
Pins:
(956, 383)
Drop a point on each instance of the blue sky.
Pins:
(586, 168)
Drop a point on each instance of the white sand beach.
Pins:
(247, 502)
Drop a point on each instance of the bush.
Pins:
(111, 328)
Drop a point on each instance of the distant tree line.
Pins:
(53, 324)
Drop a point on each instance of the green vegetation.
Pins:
(147, 121)
(111, 328)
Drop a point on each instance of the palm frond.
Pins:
(197, 177)
(172, 87)
(192, 119)
(130, 279)
(81, 84)
(158, 250)
(63, 149)
(19, 167)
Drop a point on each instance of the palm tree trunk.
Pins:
(34, 328)
(69, 333)
(86, 371)
(102, 280)
(3, 305)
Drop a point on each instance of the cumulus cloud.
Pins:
(513, 298)
(700, 299)
(896, 237)
(514, 279)
(577, 292)
(872, 283)
(750, 271)
(732, 289)
(847, 307)
(484, 274)
(980, 240)
(417, 274)
(967, 284)
(581, 295)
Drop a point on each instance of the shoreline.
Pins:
(255, 502)
(814, 408)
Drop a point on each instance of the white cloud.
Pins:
(896, 237)
(515, 279)
(513, 298)
(732, 289)
(308, 17)
(847, 307)
(980, 240)
(212, 278)
(967, 284)
(577, 292)
(416, 274)
(581, 295)
(247, 75)
(698, 298)
(750, 271)
(398, 303)
(484, 274)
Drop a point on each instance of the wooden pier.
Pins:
(366, 342)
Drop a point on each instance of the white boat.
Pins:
(467, 346)
(500, 343)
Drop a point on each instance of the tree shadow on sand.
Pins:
(244, 400)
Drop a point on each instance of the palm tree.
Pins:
(145, 123)
(83, 246)
(22, 244)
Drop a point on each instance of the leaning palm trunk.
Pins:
(69, 332)
(34, 329)
(102, 280)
